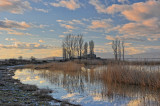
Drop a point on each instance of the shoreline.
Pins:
(13, 92)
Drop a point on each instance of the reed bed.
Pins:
(65, 66)
(116, 72)
(90, 61)
(121, 73)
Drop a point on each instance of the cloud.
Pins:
(123, 1)
(144, 19)
(38, 53)
(61, 36)
(24, 45)
(36, 1)
(104, 23)
(141, 29)
(14, 32)
(116, 8)
(134, 50)
(39, 26)
(70, 4)
(99, 7)
(10, 39)
(102, 48)
(67, 32)
(75, 22)
(41, 41)
(10, 26)
(51, 30)
(71, 22)
(41, 10)
(137, 11)
(108, 37)
(124, 38)
(13, 24)
(67, 26)
(14, 6)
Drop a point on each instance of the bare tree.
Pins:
(91, 47)
(85, 49)
(115, 48)
(64, 51)
(72, 46)
(123, 49)
(80, 44)
(118, 49)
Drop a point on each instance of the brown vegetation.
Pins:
(66, 66)
(121, 73)
(116, 72)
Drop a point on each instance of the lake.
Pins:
(87, 88)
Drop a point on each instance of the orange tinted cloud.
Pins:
(71, 4)
(100, 23)
(13, 24)
(67, 26)
(14, 6)
(41, 53)
(137, 11)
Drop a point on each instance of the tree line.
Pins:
(74, 46)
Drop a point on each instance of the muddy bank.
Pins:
(13, 92)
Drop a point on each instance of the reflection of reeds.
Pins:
(118, 78)
(66, 66)
(126, 74)
(144, 95)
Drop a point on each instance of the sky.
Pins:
(37, 27)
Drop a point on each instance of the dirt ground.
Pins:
(14, 93)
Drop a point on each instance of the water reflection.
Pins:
(87, 88)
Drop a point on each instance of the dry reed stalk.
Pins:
(65, 66)
(127, 74)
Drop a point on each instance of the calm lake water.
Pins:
(86, 88)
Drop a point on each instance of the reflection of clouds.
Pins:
(28, 77)
(15, 77)
(142, 101)
(84, 87)
(97, 98)
(36, 78)
(69, 95)
(75, 97)
(42, 82)
(135, 103)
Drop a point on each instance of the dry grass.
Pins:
(116, 72)
(65, 66)
(90, 61)
(125, 74)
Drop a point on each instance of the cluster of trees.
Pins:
(31, 58)
(118, 49)
(74, 46)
